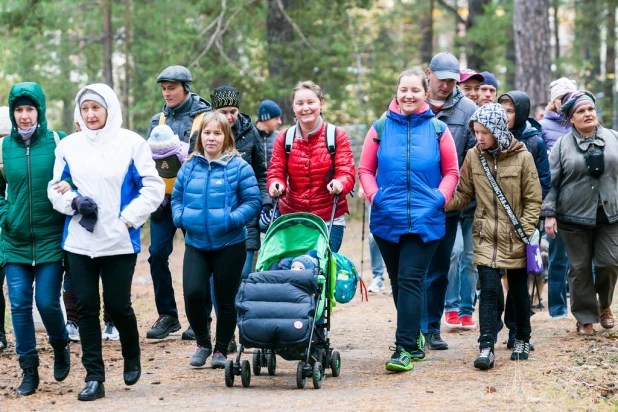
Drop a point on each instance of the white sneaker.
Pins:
(110, 332)
(559, 317)
(377, 285)
(390, 291)
(73, 331)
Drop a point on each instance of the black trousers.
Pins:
(225, 266)
(488, 306)
(116, 273)
(407, 263)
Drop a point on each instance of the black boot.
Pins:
(62, 360)
(30, 379)
(132, 371)
(92, 391)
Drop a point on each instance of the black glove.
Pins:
(157, 214)
(87, 207)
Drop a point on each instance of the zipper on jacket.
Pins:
(206, 204)
(30, 206)
(510, 238)
(408, 178)
(493, 261)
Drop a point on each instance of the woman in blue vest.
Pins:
(418, 172)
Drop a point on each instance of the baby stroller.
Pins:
(284, 312)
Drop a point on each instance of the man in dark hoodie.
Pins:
(226, 100)
(527, 130)
(182, 112)
(451, 106)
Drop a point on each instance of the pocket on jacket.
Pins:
(377, 198)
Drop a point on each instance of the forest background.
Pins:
(354, 49)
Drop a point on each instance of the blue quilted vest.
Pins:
(408, 199)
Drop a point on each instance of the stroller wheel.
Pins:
(335, 364)
(271, 361)
(257, 362)
(322, 356)
(318, 375)
(229, 373)
(300, 377)
(245, 374)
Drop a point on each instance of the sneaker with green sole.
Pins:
(418, 354)
(400, 361)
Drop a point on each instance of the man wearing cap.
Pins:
(451, 106)
(269, 120)
(226, 100)
(182, 112)
(489, 89)
(470, 84)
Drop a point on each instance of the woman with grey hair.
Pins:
(583, 205)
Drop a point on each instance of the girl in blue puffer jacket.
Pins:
(215, 196)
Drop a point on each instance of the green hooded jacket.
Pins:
(31, 228)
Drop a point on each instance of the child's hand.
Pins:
(62, 187)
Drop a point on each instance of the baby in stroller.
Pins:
(307, 261)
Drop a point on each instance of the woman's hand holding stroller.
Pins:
(276, 190)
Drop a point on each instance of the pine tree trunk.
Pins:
(610, 64)
(127, 63)
(476, 9)
(279, 32)
(556, 7)
(426, 26)
(532, 48)
(107, 42)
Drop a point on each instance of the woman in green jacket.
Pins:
(32, 233)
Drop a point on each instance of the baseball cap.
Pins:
(445, 66)
(467, 74)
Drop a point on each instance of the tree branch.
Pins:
(294, 26)
(451, 9)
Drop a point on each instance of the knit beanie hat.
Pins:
(490, 79)
(161, 136)
(5, 121)
(492, 116)
(560, 87)
(225, 96)
(24, 101)
(92, 96)
(574, 100)
(307, 261)
(268, 110)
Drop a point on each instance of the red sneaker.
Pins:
(467, 322)
(451, 320)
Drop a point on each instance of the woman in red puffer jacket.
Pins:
(309, 178)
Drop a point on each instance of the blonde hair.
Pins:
(309, 85)
(229, 146)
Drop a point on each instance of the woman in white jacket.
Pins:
(117, 188)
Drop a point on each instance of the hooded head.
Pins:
(492, 116)
(521, 104)
(163, 137)
(108, 96)
(304, 262)
(31, 94)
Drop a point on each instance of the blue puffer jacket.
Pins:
(214, 201)
(530, 135)
(408, 199)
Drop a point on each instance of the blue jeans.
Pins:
(336, 238)
(462, 276)
(557, 272)
(162, 231)
(377, 264)
(436, 279)
(47, 279)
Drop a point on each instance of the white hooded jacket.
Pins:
(114, 167)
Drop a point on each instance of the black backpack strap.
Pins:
(331, 145)
(503, 200)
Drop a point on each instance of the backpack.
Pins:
(197, 121)
(331, 144)
(346, 279)
(56, 139)
(382, 121)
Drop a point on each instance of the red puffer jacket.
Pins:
(305, 175)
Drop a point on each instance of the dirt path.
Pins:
(565, 372)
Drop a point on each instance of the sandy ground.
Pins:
(565, 372)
